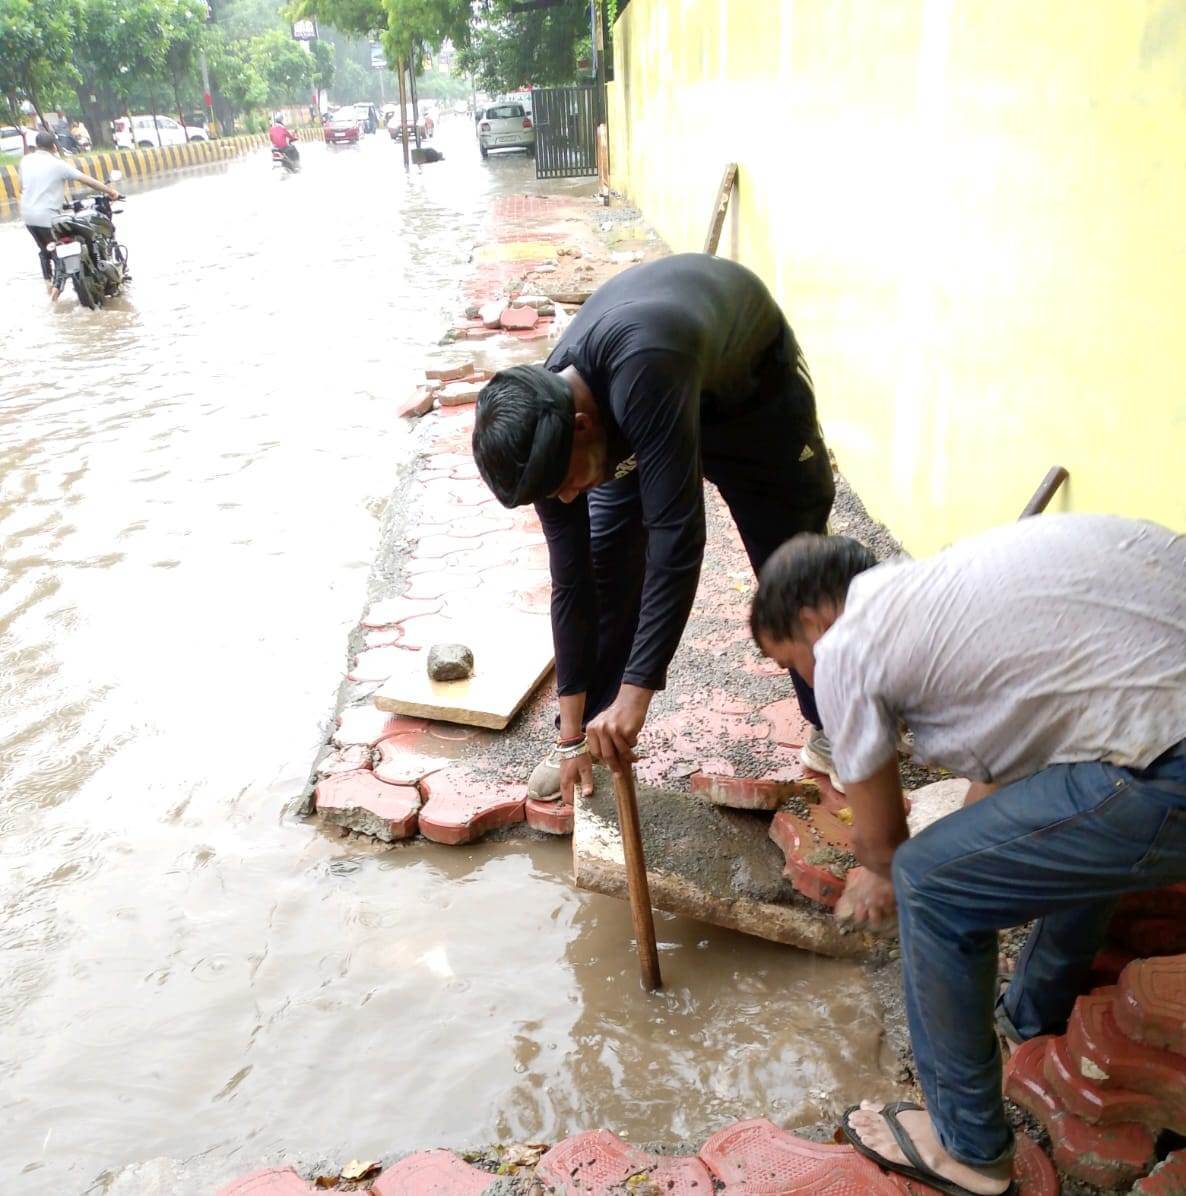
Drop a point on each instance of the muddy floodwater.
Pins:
(190, 486)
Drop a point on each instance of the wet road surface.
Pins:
(190, 482)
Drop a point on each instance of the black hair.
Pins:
(45, 140)
(807, 571)
(523, 430)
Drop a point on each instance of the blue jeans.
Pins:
(1060, 846)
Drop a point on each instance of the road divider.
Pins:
(144, 163)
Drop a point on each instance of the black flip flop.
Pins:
(918, 1170)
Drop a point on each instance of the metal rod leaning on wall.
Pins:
(1045, 492)
(637, 887)
(728, 181)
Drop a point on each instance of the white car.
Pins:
(10, 139)
(146, 133)
(506, 126)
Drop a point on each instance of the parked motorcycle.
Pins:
(285, 161)
(86, 251)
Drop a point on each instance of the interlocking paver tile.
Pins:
(552, 817)
(1151, 1003)
(1105, 1155)
(460, 806)
(395, 610)
(591, 1163)
(361, 802)
(807, 864)
(368, 725)
(1168, 1178)
(1085, 1098)
(432, 1173)
(742, 793)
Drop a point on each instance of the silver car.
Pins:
(506, 126)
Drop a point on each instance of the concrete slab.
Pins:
(705, 862)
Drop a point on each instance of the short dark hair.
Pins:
(45, 140)
(523, 431)
(807, 571)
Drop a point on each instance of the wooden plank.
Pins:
(512, 655)
(720, 208)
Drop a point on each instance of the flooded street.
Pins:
(190, 486)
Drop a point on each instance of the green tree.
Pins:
(233, 69)
(323, 64)
(508, 50)
(185, 25)
(355, 82)
(284, 66)
(34, 51)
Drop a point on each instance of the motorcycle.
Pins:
(285, 161)
(86, 251)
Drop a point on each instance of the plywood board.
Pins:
(708, 863)
(512, 655)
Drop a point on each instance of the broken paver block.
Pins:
(519, 318)
(451, 373)
(1168, 1178)
(756, 1158)
(1106, 1155)
(458, 394)
(450, 662)
(367, 726)
(742, 793)
(1104, 1053)
(817, 868)
(705, 862)
(490, 313)
(1085, 1098)
(419, 402)
(271, 1181)
(592, 1164)
(432, 1173)
(1151, 1003)
(395, 610)
(347, 759)
(361, 802)
(552, 817)
(460, 807)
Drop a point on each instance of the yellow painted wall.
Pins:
(974, 215)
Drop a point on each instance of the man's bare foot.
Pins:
(54, 294)
(876, 1134)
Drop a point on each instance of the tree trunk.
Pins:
(180, 114)
(403, 112)
(415, 102)
(156, 128)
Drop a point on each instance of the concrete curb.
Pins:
(143, 163)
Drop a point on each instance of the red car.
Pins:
(344, 126)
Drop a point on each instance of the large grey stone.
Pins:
(450, 662)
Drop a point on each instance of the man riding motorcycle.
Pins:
(284, 139)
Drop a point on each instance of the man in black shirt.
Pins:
(673, 372)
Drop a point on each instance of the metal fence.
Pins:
(565, 131)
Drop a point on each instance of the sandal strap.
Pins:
(905, 1143)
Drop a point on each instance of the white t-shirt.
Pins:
(43, 187)
(1054, 640)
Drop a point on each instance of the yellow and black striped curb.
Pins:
(141, 163)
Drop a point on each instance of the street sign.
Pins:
(304, 31)
(378, 57)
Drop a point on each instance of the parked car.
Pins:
(147, 132)
(506, 126)
(10, 139)
(344, 127)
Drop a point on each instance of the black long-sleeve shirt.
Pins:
(657, 345)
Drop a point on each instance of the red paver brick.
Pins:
(460, 807)
(591, 1163)
(742, 793)
(1087, 1099)
(361, 802)
(408, 759)
(553, 817)
(756, 1158)
(1105, 1054)
(419, 402)
(432, 1173)
(271, 1181)
(1106, 1155)
(395, 610)
(450, 373)
(1151, 1003)
(798, 841)
(458, 394)
(1166, 1179)
(368, 725)
(519, 317)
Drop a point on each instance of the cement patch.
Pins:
(708, 863)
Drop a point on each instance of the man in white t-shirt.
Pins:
(44, 176)
(1046, 661)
